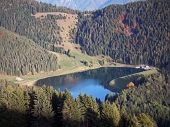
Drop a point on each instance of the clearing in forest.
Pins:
(66, 25)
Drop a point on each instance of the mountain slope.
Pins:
(19, 16)
(85, 4)
(19, 55)
(151, 97)
(135, 33)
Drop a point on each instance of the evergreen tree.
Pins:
(89, 110)
(110, 115)
(71, 113)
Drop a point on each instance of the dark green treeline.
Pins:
(135, 33)
(145, 105)
(18, 16)
(20, 56)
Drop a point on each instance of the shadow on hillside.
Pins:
(91, 119)
(15, 118)
(12, 118)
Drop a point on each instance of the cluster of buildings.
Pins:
(145, 67)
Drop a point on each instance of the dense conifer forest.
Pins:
(135, 33)
(144, 105)
(20, 56)
(17, 16)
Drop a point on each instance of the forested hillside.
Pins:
(19, 55)
(17, 16)
(135, 33)
(43, 106)
(150, 97)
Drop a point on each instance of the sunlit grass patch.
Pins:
(123, 81)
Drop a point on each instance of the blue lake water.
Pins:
(93, 82)
(87, 86)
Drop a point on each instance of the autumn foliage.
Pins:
(1, 33)
(130, 84)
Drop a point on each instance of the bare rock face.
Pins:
(86, 4)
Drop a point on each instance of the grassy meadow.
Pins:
(123, 81)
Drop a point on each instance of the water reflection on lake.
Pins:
(88, 86)
(93, 82)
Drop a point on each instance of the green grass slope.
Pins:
(123, 81)
(19, 55)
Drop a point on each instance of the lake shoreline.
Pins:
(30, 80)
(94, 81)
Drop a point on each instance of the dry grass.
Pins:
(66, 25)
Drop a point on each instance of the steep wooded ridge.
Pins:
(135, 33)
(19, 55)
(17, 16)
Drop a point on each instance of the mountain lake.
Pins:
(92, 82)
